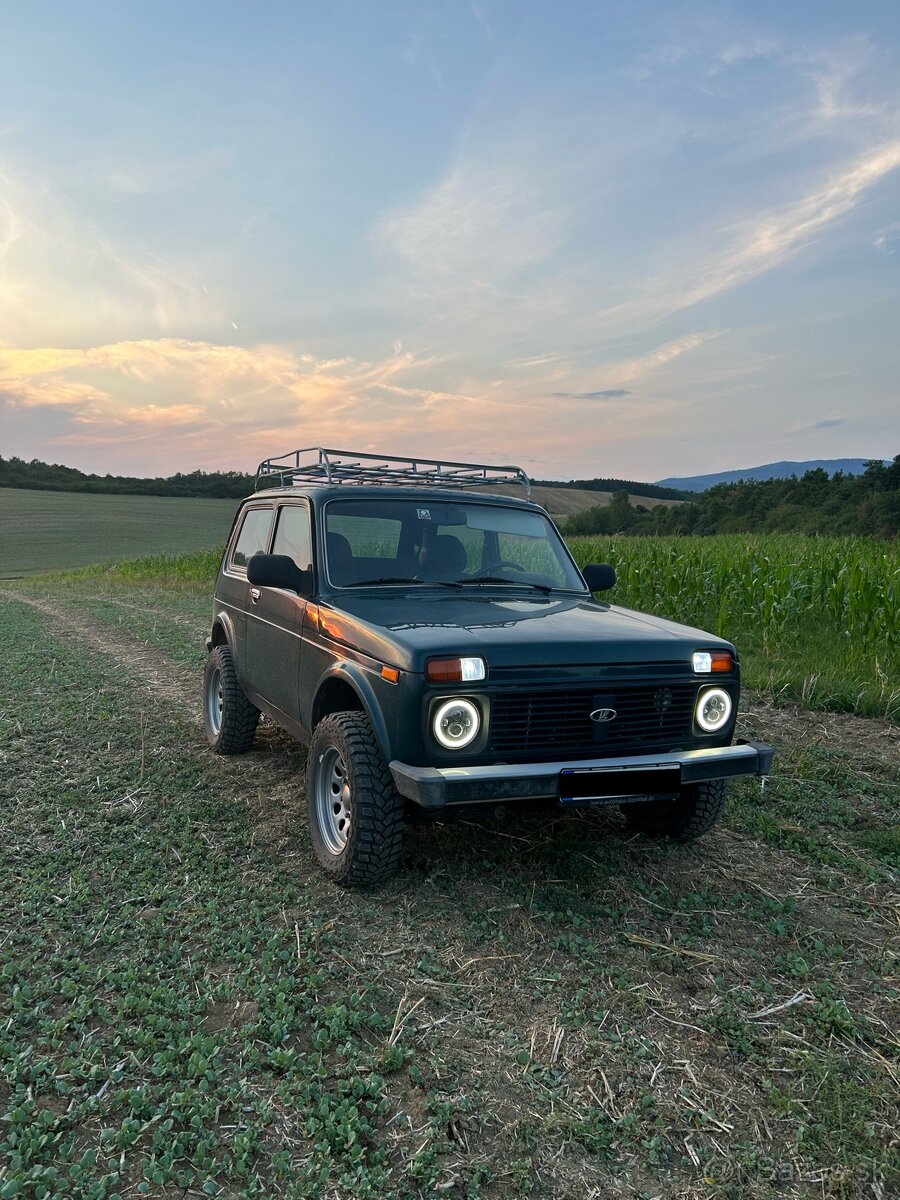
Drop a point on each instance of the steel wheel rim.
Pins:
(333, 800)
(215, 700)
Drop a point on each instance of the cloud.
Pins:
(605, 394)
(888, 240)
(638, 367)
(244, 402)
(168, 404)
(829, 422)
(641, 368)
(760, 244)
(62, 271)
(484, 222)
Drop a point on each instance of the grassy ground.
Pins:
(544, 1007)
(46, 531)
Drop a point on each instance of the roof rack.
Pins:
(348, 466)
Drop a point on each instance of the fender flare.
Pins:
(223, 619)
(355, 677)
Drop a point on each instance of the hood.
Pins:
(405, 628)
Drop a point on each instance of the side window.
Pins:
(292, 536)
(254, 536)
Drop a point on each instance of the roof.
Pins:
(350, 491)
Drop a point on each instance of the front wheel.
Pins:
(687, 817)
(355, 812)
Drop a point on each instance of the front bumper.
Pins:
(437, 787)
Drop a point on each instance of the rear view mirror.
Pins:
(598, 576)
(279, 571)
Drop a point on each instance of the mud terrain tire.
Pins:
(355, 812)
(229, 718)
(688, 817)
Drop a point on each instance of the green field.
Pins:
(52, 531)
(48, 531)
(546, 1007)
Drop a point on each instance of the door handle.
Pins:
(254, 595)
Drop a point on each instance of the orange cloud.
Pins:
(172, 404)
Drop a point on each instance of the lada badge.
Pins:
(601, 715)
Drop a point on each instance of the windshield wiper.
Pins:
(403, 579)
(541, 587)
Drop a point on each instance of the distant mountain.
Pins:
(779, 470)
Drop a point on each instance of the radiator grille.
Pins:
(561, 721)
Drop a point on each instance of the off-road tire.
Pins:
(372, 849)
(237, 717)
(688, 817)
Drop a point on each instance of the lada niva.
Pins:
(437, 647)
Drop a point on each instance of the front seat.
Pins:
(341, 564)
(445, 558)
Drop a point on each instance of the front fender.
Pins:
(357, 678)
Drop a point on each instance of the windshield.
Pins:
(457, 543)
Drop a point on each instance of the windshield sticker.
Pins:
(424, 514)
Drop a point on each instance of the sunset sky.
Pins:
(623, 239)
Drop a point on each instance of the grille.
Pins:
(561, 721)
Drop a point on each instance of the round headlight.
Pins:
(713, 710)
(456, 723)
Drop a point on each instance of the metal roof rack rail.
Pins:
(348, 466)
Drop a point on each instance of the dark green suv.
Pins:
(436, 646)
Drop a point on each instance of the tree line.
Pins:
(17, 473)
(653, 490)
(814, 503)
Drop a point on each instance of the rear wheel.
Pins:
(228, 716)
(355, 812)
(687, 817)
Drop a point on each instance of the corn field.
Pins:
(834, 602)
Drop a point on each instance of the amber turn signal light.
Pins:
(455, 670)
(715, 662)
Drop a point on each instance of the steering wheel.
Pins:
(500, 563)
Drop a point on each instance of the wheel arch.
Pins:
(346, 689)
(222, 632)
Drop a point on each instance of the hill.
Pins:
(46, 531)
(814, 503)
(777, 470)
(562, 501)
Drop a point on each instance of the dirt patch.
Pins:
(859, 738)
(229, 1014)
(160, 674)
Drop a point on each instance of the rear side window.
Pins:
(292, 536)
(254, 536)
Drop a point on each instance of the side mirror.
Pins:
(279, 571)
(598, 576)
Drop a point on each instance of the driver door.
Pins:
(275, 618)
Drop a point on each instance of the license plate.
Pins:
(598, 785)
